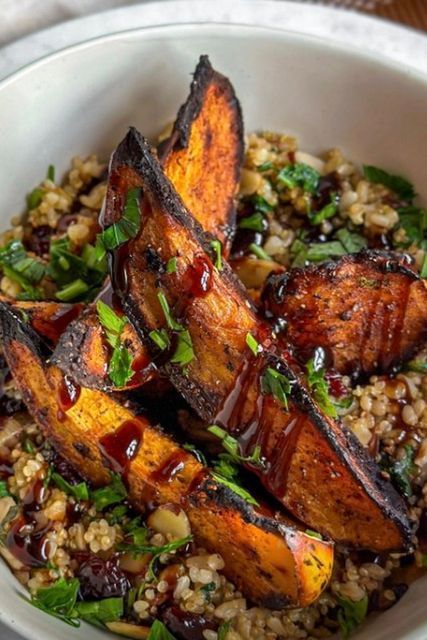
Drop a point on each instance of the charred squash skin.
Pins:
(273, 562)
(202, 159)
(367, 310)
(343, 495)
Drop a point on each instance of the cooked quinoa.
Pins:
(387, 414)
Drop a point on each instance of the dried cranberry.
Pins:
(39, 240)
(100, 578)
(185, 625)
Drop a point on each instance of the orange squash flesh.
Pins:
(273, 562)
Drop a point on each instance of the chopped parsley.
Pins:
(140, 547)
(313, 534)
(217, 248)
(260, 204)
(275, 383)
(419, 366)
(231, 445)
(299, 175)
(207, 588)
(59, 600)
(423, 270)
(35, 197)
(160, 338)
(223, 629)
(171, 265)
(79, 491)
(78, 277)
(120, 366)
(127, 227)
(258, 252)
(255, 222)
(50, 175)
(4, 491)
(252, 344)
(413, 220)
(110, 494)
(199, 455)
(265, 166)
(399, 185)
(100, 612)
(345, 242)
(158, 631)
(400, 471)
(319, 386)
(351, 615)
(184, 352)
(235, 488)
(328, 211)
(26, 271)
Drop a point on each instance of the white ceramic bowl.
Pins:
(82, 99)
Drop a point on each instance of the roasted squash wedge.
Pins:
(204, 154)
(367, 310)
(202, 159)
(273, 562)
(49, 319)
(258, 399)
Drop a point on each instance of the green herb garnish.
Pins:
(318, 385)
(171, 265)
(265, 166)
(260, 204)
(275, 383)
(19, 267)
(50, 175)
(231, 445)
(207, 588)
(419, 366)
(4, 491)
(35, 197)
(184, 352)
(352, 242)
(199, 455)
(128, 225)
(59, 600)
(252, 344)
(217, 247)
(400, 471)
(73, 291)
(100, 612)
(79, 491)
(120, 366)
(110, 494)
(299, 175)
(223, 629)
(423, 270)
(235, 488)
(160, 338)
(351, 615)
(327, 212)
(158, 631)
(259, 252)
(84, 274)
(413, 220)
(256, 222)
(399, 185)
(117, 515)
(141, 547)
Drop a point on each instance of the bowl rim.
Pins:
(347, 50)
(26, 626)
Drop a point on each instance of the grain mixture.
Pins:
(144, 566)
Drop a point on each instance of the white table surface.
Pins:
(19, 18)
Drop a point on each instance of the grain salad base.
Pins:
(387, 414)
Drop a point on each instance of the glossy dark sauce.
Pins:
(31, 548)
(120, 447)
(248, 414)
(68, 392)
(168, 470)
(53, 327)
(198, 276)
(110, 298)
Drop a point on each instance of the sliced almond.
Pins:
(171, 521)
(129, 630)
